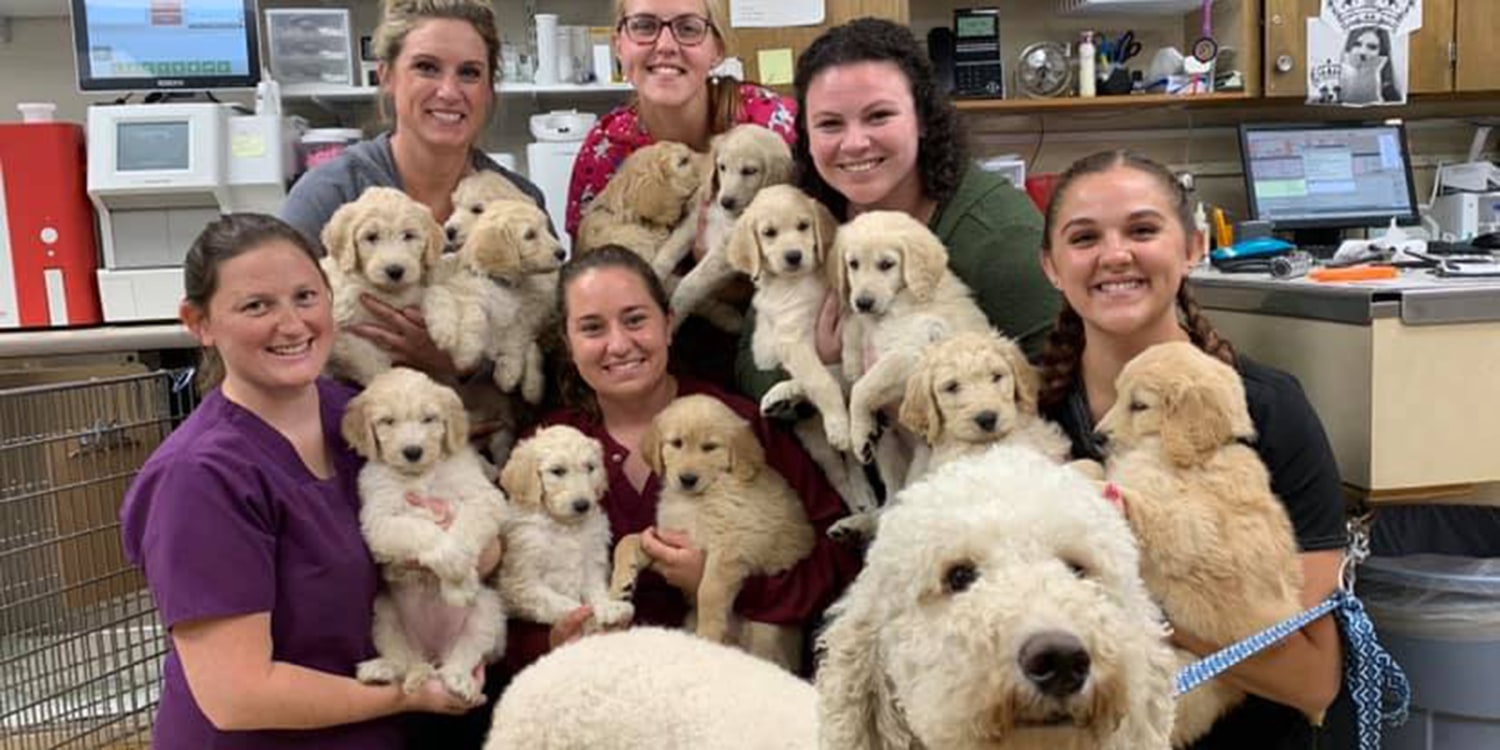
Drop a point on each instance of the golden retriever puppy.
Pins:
(644, 202)
(742, 161)
(471, 196)
(893, 274)
(1218, 550)
(970, 391)
(557, 537)
(427, 511)
(380, 244)
(717, 488)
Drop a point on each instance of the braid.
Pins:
(1060, 359)
(1200, 331)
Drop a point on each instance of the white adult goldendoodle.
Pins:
(557, 536)
(644, 202)
(718, 489)
(380, 244)
(1218, 550)
(1000, 608)
(654, 688)
(427, 511)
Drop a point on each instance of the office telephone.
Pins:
(977, 69)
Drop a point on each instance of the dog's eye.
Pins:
(748, 171)
(710, 447)
(558, 471)
(683, 161)
(675, 442)
(408, 236)
(803, 226)
(372, 237)
(589, 467)
(1078, 569)
(950, 386)
(999, 376)
(723, 167)
(886, 264)
(854, 265)
(386, 421)
(1137, 406)
(530, 235)
(769, 233)
(959, 577)
(428, 419)
(477, 209)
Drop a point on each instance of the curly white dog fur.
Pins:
(557, 537)
(436, 617)
(1000, 608)
(1217, 547)
(654, 688)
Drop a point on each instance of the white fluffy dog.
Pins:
(1000, 608)
(380, 244)
(427, 511)
(654, 688)
(557, 539)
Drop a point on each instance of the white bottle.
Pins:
(546, 49)
(1086, 75)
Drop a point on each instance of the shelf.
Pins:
(1026, 106)
(341, 92)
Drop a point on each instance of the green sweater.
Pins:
(993, 233)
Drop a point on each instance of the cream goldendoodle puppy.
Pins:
(380, 244)
(1217, 548)
(717, 488)
(1000, 608)
(427, 511)
(471, 196)
(647, 199)
(557, 536)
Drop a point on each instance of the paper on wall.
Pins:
(1395, 16)
(775, 13)
(1358, 51)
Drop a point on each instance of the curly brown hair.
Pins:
(1060, 359)
(941, 148)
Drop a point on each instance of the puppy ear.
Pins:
(855, 707)
(521, 478)
(652, 194)
(650, 448)
(919, 409)
(495, 245)
(357, 429)
(1028, 382)
(923, 262)
(338, 237)
(1193, 426)
(709, 181)
(743, 248)
(777, 169)
(825, 228)
(834, 270)
(436, 238)
(455, 421)
(746, 455)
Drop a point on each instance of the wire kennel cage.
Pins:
(80, 643)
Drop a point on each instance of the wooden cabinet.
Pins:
(747, 43)
(1448, 54)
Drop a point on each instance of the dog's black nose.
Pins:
(561, 254)
(394, 272)
(581, 506)
(986, 420)
(727, 202)
(452, 233)
(1099, 440)
(412, 453)
(688, 481)
(793, 257)
(864, 304)
(1056, 662)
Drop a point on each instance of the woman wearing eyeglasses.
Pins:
(667, 48)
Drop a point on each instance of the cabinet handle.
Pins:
(1285, 63)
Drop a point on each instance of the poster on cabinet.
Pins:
(1358, 51)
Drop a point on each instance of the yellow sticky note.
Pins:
(247, 145)
(775, 66)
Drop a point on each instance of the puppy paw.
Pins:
(508, 371)
(782, 400)
(612, 613)
(461, 683)
(836, 429)
(379, 671)
(855, 529)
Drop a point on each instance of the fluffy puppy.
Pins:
(1000, 608)
(717, 488)
(972, 390)
(893, 274)
(644, 202)
(557, 538)
(379, 244)
(427, 511)
(742, 162)
(1218, 550)
(471, 196)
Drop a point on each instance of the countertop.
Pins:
(1417, 297)
(107, 338)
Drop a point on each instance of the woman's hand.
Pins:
(403, 333)
(828, 334)
(569, 628)
(433, 697)
(674, 557)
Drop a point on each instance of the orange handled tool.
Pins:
(1354, 273)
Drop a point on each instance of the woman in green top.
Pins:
(875, 131)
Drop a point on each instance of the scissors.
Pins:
(1126, 48)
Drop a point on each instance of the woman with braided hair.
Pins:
(1119, 243)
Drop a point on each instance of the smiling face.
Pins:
(863, 134)
(617, 334)
(1364, 47)
(665, 72)
(441, 84)
(1118, 251)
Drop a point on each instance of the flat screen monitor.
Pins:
(165, 45)
(1334, 176)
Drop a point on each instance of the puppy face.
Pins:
(406, 420)
(469, 199)
(782, 233)
(1177, 399)
(511, 238)
(886, 253)
(384, 236)
(745, 160)
(559, 471)
(656, 181)
(1000, 607)
(696, 441)
(972, 387)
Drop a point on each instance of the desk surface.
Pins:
(1417, 297)
(109, 338)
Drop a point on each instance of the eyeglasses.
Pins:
(643, 28)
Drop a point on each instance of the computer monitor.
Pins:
(165, 45)
(1319, 179)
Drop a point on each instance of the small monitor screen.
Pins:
(165, 44)
(152, 146)
(972, 26)
(1335, 176)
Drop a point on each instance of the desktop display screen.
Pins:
(1340, 176)
(131, 45)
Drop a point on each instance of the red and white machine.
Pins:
(48, 250)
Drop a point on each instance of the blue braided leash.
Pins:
(1377, 684)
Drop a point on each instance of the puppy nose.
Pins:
(1099, 439)
(793, 257)
(412, 453)
(581, 506)
(394, 273)
(1055, 662)
(986, 420)
(452, 233)
(561, 254)
(688, 481)
(727, 202)
(864, 304)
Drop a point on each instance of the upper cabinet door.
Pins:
(1286, 46)
(1478, 33)
(1431, 69)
